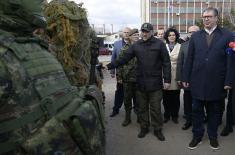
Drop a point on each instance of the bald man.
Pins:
(179, 71)
(119, 94)
(160, 34)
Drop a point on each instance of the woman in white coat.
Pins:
(171, 97)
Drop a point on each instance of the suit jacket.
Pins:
(116, 49)
(208, 67)
(181, 61)
(173, 57)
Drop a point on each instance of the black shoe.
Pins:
(166, 120)
(126, 122)
(159, 135)
(194, 143)
(135, 110)
(226, 131)
(214, 144)
(138, 120)
(114, 113)
(220, 122)
(205, 119)
(143, 132)
(186, 126)
(175, 120)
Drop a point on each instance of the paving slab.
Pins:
(123, 140)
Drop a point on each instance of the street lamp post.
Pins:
(157, 13)
(222, 14)
(172, 12)
(186, 16)
(194, 12)
(178, 14)
(168, 14)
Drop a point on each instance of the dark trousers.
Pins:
(130, 96)
(171, 103)
(188, 105)
(222, 108)
(233, 102)
(214, 114)
(150, 102)
(119, 95)
(229, 111)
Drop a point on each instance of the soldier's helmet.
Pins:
(27, 10)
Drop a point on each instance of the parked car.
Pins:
(109, 46)
(104, 51)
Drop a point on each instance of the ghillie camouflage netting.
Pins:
(71, 35)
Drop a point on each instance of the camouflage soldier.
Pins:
(69, 30)
(127, 74)
(40, 112)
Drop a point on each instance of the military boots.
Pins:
(127, 120)
(143, 132)
(159, 135)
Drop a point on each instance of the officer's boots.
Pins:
(143, 132)
(127, 120)
(159, 135)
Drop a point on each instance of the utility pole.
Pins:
(179, 14)
(165, 16)
(187, 17)
(194, 12)
(103, 28)
(223, 14)
(111, 28)
(168, 14)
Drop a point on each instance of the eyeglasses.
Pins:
(207, 17)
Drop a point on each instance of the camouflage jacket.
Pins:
(127, 72)
(40, 112)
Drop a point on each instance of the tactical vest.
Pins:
(41, 113)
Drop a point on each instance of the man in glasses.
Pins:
(208, 72)
(153, 63)
(179, 73)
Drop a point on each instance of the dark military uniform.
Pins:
(40, 112)
(153, 63)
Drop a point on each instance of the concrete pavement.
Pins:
(124, 141)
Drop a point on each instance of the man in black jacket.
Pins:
(152, 61)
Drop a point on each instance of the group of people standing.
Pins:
(200, 65)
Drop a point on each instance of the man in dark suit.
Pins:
(208, 71)
(187, 97)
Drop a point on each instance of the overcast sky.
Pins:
(120, 13)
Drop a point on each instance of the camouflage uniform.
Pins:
(127, 74)
(40, 112)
